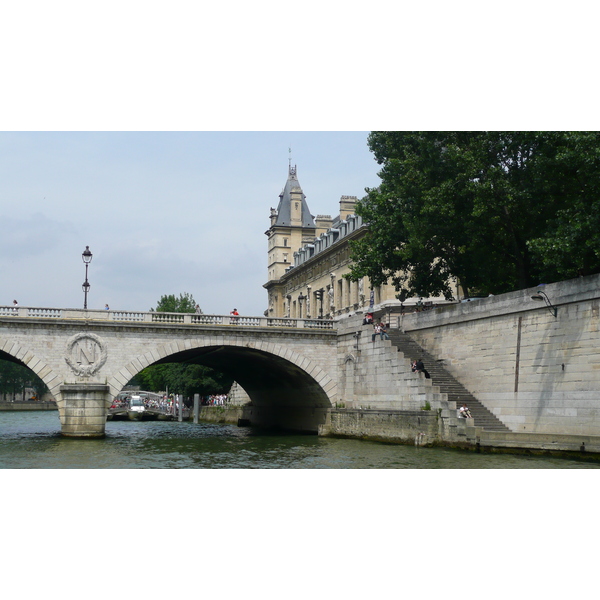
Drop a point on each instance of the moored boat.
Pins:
(136, 409)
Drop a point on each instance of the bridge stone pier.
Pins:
(288, 367)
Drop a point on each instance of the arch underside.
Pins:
(282, 393)
(21, 356)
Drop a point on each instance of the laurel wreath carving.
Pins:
(85, 370)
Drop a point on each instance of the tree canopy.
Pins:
(497, 211)
(184, 304)
(185, 379)
(14, 378)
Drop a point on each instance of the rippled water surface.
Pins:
(32, 440)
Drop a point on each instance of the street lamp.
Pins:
(542, 296)
(86, 255)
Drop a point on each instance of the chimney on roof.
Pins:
(347, 206)
(323, 223)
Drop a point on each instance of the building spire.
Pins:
(292, 209)
(291, 170)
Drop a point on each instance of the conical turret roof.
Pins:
(284, 210)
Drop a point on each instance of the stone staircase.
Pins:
(446, 383)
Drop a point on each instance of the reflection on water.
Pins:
(32, 440)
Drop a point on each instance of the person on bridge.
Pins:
(234, 313)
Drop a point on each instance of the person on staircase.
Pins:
(421, 368)
(383, 331)
(376, 331)
(465, 412)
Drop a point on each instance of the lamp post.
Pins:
(542, 296)
(86, 255)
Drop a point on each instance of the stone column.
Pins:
(83, 409)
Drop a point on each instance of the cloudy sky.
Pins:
(162, 212)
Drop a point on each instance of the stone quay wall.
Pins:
(422, 428)
(221, 414)
(379, 397)
(537, 373)
(374, 375)
(26, 405)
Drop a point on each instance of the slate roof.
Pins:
(285, 203)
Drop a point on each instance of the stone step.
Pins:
(445, 382)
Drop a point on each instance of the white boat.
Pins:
(136, 409)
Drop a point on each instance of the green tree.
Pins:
(480, 207)
(182, 378)
(184, 304)
(569, 246)
(14, 378)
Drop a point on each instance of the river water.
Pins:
(32, 440)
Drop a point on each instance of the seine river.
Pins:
(32, 440)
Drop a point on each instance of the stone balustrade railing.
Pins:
(163, 317)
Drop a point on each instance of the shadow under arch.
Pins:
(286, 389)
(23, 356)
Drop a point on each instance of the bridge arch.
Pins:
(21, 355)
(285, 388)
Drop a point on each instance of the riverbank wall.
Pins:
(26, 405)
(536, 369)
(430, 428)
(417, 427)
(221, 414)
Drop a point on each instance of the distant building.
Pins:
(307, 258)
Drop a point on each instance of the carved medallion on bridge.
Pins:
(86, 353)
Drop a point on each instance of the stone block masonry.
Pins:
(379, 397)
(537, 373)
(418, 427)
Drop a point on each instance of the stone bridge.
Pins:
(288, 367)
